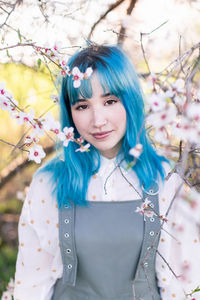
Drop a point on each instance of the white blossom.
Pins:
(145, 209)
(88, 72)
(36, 153)
(54, 98)
(193, 111)
(22, 117)
(66, 136)
(162, 118)
(49, 123)
(6, 296)
(77, 77)
(156, 101)
(83, 148)
(38, 129)
(136, 151)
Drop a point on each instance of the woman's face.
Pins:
(100, 120)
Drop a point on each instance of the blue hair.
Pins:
(70, 177)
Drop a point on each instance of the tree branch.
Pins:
(111, 7)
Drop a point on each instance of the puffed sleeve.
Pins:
(38, 262)
(178, 257)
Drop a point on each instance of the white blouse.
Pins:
(39, 262)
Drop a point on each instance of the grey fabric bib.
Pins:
(103, 250)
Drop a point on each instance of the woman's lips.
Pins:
(101, 135)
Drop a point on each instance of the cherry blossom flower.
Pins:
(157, 102)
(88, 73)
(145, 209)
(36, 153)
(31, 139)
(151, 81)
(184, 129)
(3, 91)
(161, 136)
(63, 62)
(193, 111)
(6, 296)
(77, 77)
(84, 148)
(54, 98)
(80, 140)
(162, 118)
(38, 129)
(5, 103)
(136, 151)
(51, 124)
(178, 86)
(22, 117)
(67, 135)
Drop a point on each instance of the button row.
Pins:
(66, 235)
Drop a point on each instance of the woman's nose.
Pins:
(99, 118)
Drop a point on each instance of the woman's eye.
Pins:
(111, 101)
(81, 107)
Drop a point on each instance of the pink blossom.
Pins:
(193, 111)
(145, 209)
(157, 102)
(54, 98)
(38, 129)
(83, 148)
(163, 118)
(36, 153)
(22, 117)
(161, 136)
(49, 123)
(5, 103)
(184, 129)
(178, 87)
(6, 296)
(67, 135)
(151, 81)
(88, 73)
(136, 151)
(77, 77)
(31, 139)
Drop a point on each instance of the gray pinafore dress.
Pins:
(108, 251)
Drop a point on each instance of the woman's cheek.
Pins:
(80, 121)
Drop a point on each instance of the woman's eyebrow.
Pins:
(81, 100)
(105, 95)
(84, 99)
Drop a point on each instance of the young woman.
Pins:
(93, 224)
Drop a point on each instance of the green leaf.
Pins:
(39, 62)
(196, 290)
(19, 35)
(7, 53)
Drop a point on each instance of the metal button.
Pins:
(66, 221)
(151, 205)
(66, 206)
(66, 235)
(69, 266)
(151, 233)
(148, 248)
(68, 250)
(151, 191)
(145, 264)
(152, 219)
